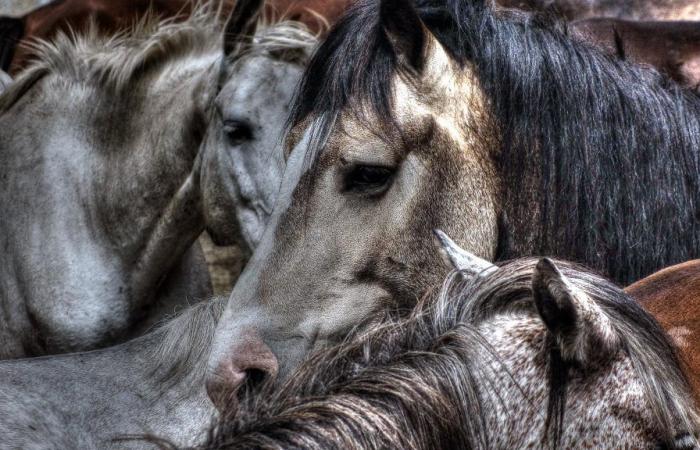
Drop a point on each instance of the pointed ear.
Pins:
(459, 259)
(405, 30)
(414, 45)
(580, 327)
(241, 26)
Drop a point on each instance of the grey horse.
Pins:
(154, 385)
(103, 188)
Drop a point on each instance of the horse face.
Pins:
(353, 232)
(242, 159)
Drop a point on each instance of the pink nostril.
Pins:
(250, 361)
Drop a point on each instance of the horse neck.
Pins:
(175, 361)
(103, 195)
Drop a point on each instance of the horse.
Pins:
(535, 353)
(671, 47)
(154, 384)
(110, 398)
(619, 9)
(105, 196)
(499, 129)
(672, 296)
(114, 16)
(669, 295)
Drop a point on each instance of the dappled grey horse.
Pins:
(105, 181)
(535, 353)
(155, 384)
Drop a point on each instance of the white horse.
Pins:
(115, 154)
(155, 384)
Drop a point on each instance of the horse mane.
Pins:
(116, 63)
(183, 344)
(287, 41)
(610, 145)
(410, 382)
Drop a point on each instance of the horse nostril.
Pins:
(254, 378)
(254, 381)
(244, 369)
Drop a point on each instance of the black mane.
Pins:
(600, 157)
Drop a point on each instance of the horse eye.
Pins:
(237, 132)
(368, 180)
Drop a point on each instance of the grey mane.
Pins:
(116, 63)
(287, 41)
(184, 342)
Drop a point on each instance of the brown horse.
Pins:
(113, 16)
(672, 295)
(622, 9)
(672, 47)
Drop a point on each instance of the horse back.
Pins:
(672, 296)
(672, 47)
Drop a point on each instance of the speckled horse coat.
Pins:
(534, 354)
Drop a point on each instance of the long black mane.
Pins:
(600, 158)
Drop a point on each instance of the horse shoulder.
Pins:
(672, 296)
(671, 47)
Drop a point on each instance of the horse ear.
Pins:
(241, 26)
(414, 45)
(580, 327)
(460, 259)
(404, 29)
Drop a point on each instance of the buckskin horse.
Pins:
(532, 354)
(500, 130)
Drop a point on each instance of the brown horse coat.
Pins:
(622, 9)
(672, 47)
(672, 296)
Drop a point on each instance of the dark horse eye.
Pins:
(237, 132)
(368, 180)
